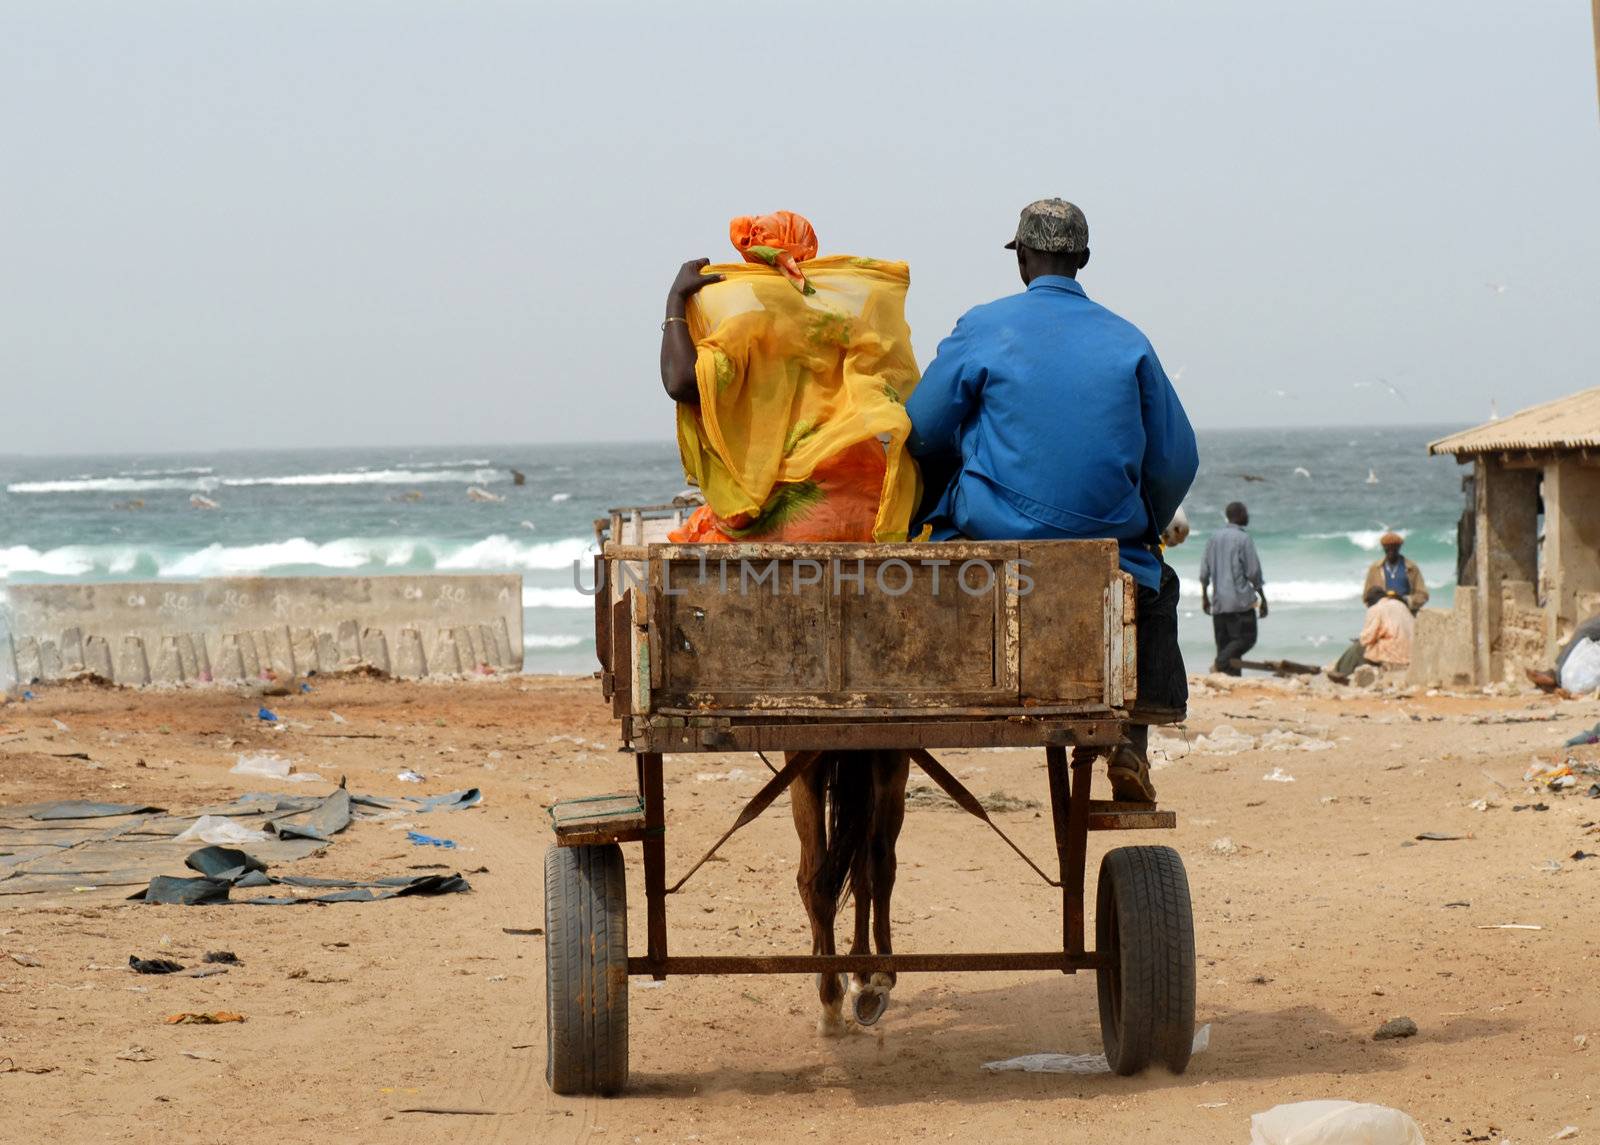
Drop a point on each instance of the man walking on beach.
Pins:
(1231, 562)
(1047, 416)
(1396, 576)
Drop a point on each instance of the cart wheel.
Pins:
(1144, 931)
(586, 969)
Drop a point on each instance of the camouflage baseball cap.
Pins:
(1053, 226)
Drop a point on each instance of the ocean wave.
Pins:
(534, 597)
(1297, 591)
(501, 552)
(1366, 539)
(540, 640)
(373, 554)
(210, 483)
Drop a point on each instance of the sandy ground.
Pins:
(1322, 919)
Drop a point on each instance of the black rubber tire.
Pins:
(1144, 928)
(586, 969)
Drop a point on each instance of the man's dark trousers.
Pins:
(1236, 635)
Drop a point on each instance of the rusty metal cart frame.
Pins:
(1144, 950)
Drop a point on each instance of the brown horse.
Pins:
(848, 808)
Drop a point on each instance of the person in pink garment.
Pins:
(1385, 638)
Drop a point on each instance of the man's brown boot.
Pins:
(1130, 776)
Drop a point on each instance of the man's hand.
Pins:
(689, 283)
(1263, 608)
(1205, 602)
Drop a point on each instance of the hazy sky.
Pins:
(228, 224)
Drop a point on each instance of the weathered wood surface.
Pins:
(764, 629)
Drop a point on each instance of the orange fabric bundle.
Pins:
(782, 239)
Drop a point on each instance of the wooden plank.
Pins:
(1063, 637)
(655, 855)
(643, 735)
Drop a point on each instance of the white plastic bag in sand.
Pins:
(268, 766)
(1333, 1123)
(220, 829)
(1580, 674)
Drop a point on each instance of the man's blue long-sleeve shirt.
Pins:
(1062, 422)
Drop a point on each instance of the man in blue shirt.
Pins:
(1046, 416)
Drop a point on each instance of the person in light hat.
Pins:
(1044, 415)
(1396, 576)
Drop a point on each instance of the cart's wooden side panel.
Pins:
(1064, 637)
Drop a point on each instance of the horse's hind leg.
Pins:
(807, 798)
(870, 993)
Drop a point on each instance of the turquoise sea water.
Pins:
(98, 518)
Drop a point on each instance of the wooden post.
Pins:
(655, 859)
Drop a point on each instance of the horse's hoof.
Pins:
(868, 1003)
(832, 1025)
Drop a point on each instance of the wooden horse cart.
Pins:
(805, 647)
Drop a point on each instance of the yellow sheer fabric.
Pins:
(801, 428)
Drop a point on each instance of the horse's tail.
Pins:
(847, 790)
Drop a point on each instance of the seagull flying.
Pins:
(1302, 471)
(1497, 287)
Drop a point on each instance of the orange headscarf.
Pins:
(782, 239)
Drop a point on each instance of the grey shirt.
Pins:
(1231, 563)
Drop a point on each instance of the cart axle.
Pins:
(862, 963)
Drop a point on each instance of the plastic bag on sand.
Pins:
(1580, 674)
(220, 829)
(267, 766)
(1333, 1123)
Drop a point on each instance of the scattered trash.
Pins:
(1437, 837)
(418, 839)
(170, 891)
(207, 971)
(1333, 1123)
(200, 1055)
(1531, 807)
(1580, 1040)
(336, 717)
(1075, 1063)
(1448, 905)
(136, 1054)
(1224, 739)
(269, 766)
(1512, 926)
(7, 1065)
(409, 776)
(227, 956)
(1579, 856)
(219, 829)
(153, 965)
(1569, 1131)
(1278, 775)
(452, 801)
(304, 688)
(60, 727)
(25, 959)
(1224, 846)
(209, 1018)
(267, 715)
(1395, 1028)
(526, 930)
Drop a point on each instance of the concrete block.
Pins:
(168, 668)
(446, 658)
(72, 650)
(97, 657)
(49, 660)
(230, 658)
(28, 669)
(277, 651)
(507, 660)
(349, 643)
(470, 646)
(375, 649)
(202, 658)
(303, 646)
(327, 652)
(188, 660)
(410, 662)
(133, 667)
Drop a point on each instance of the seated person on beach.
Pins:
(1396, 576)
(790, 373)
(1047, 416)
(1385, 639)
(1550, 680)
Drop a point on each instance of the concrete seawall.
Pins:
(231, 628)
